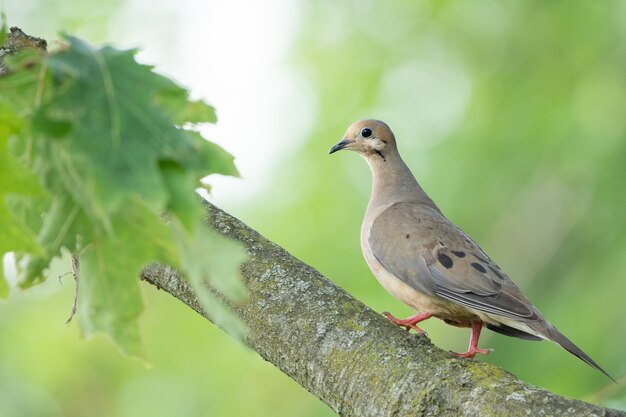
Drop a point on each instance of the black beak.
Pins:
(339, 146)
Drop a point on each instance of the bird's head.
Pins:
(368, 138)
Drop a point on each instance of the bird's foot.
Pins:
(409, 323)
(472, 352)
(473, 348)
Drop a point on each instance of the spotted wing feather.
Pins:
(408, 236)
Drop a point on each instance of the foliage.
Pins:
(509, 113)
(94, 149)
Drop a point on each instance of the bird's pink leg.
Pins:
(409, 323)
(473, 349)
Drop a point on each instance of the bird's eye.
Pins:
(366, 133)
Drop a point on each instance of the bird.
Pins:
(430, 264)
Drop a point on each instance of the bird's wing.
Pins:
(426, 251)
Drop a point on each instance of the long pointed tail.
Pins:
(553, 334)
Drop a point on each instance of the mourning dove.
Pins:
(427, 262)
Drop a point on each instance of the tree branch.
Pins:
(18, 41)
(349, 356)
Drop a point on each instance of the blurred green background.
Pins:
(511, 114)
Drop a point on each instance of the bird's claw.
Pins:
(408, 324)
(472, 352)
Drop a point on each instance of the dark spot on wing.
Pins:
(483, 260)
(459, 253)
(479, 267)
(496, 272)
(445, 260)
(408, 235)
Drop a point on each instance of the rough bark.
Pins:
(351, 357)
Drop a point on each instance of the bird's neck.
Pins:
(393, 182)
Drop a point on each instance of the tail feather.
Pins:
(512, 332)
(553, 334)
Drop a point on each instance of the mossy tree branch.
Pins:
(351, 357)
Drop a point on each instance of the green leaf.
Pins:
(176, 101)
(180, 179)
(4, 31)
(62, 226)
(181, 202)
(54, 128)
(118, 129)
(198, 112)
(23, 86)
(209, 258)
(109, 296)
(29, 57)
(119, 132)
(105, 136)
(15, 179)
(213, 158)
